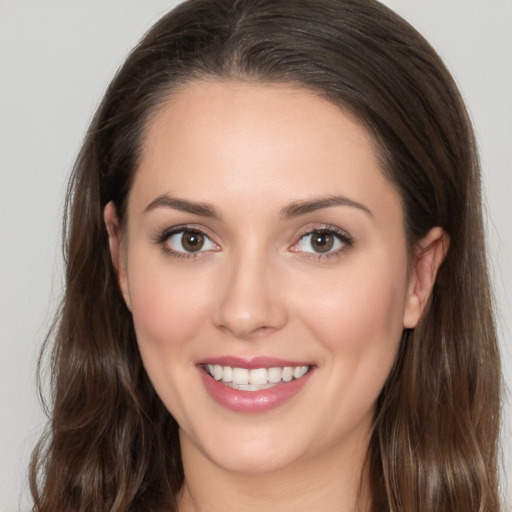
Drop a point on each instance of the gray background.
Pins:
(56, 58)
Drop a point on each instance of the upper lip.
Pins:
(252, 362)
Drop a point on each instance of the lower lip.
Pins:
(253, 401)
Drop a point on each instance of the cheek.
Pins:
(168, 307)
(358, 318)
(359, 303)
(359, 322)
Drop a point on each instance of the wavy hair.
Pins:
(111, 444)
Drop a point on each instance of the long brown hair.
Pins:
(111, 444)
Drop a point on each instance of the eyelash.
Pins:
(341, 236)
(162, 239)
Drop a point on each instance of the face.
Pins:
(264, 261)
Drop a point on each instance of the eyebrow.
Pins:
(293, 210)
(303, 207)
(201, 209)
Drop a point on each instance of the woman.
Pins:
(276, 289)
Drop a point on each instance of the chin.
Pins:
(254, 453)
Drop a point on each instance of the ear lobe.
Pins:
(115, 243)
(427, 258)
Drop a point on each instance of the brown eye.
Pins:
(188, 242)
(192, 241)
(322, 241)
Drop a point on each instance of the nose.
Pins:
(250, 301)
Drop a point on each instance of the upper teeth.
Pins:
(258, 376)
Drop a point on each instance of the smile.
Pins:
(254, 385)
(255, 379)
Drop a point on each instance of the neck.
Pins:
(333, 481)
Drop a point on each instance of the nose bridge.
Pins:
(249, 303)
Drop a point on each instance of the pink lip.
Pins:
(252, 362)
(252, 401)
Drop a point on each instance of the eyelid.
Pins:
(343, 236)
(162, 236)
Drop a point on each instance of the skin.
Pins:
(259, 288)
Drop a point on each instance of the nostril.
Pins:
(247, 333)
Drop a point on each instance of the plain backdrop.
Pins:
(56, 58)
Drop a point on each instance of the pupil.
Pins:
(192, 242)
(322, 242)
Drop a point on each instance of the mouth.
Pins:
(254, 385)
(255, 379)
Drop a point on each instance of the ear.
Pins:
(116, 245)
(428, 255)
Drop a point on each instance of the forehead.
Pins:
(216, 138)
